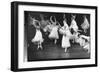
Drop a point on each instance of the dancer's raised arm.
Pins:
(52, 20)
(36, 23)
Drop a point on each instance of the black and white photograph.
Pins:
(52, 36)
(55, 36)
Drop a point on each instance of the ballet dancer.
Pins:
(38, 36)
(85, 24)
(54, 29)
(64, 30)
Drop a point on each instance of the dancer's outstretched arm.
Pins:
(52, 20)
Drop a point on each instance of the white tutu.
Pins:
(85, 24)
(54, 32)
(74, 25)
(38, 36)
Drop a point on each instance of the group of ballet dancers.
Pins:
(53, 27)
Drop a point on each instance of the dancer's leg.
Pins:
(55, 41)
(73, 40)
(66, 49)
(41, 45)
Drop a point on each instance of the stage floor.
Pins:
(55, 52)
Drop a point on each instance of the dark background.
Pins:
(30, 30)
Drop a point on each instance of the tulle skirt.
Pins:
(38, 37)
(54, 33)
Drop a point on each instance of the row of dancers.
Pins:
(53, 27)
